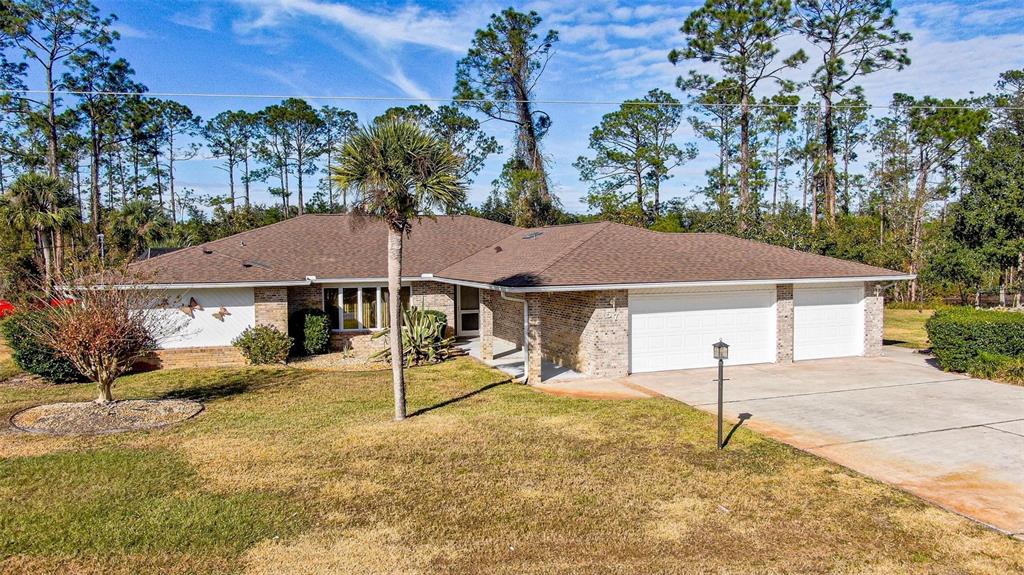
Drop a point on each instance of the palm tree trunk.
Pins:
(394, 318)
(44, 243)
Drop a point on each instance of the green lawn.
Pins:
(905, 327)
(294, 471)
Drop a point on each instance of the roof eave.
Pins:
(663, 285)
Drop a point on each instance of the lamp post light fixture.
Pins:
(721, 351)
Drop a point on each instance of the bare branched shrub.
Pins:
(105, 325)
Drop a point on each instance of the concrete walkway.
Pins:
(950, 439)
(509, 359)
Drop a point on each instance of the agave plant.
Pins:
(423, 338)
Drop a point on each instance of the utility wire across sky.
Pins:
(693, 105)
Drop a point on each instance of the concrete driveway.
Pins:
(950, 439)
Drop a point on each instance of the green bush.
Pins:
(310, 330)
(995, 366)
(32, 356)
(959, 335)
(263, 344)
(423, 338)
(316, 333)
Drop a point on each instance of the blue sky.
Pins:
(609, 51)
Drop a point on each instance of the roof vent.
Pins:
(207, 251)
(246, 264)
(532, 235)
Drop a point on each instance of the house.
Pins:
(603, 299)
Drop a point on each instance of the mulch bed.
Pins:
(27, 380)
(89, 417)
(338, 361)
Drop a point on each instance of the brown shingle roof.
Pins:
(328, 246)
(610, 253)
(465, 248)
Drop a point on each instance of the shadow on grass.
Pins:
(467, 395)
(234, 385)
(743, 417)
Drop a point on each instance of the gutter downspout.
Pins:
(526, 333)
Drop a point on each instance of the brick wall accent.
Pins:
(271, 306)
(305, 297)
(499, 319)
(437, 296)
(784, 323)
(874, 313)
(534, 335)
(186, 357)
(587, 331)
(360, 343)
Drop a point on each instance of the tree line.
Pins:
(930, 185)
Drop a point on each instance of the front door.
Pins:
(468, 311)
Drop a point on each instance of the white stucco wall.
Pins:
(205, 330)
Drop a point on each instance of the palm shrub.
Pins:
(30, 354)
(423, 338)
(263, 344)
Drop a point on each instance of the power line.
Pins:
(693, 105)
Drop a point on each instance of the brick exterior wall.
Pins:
(534, 341)
(305, 297)
(360, 343)
(499, 319)
(587, 331)
(784, 323)
(271, 306)
(436, 296)
(188, 357)
(874, 314)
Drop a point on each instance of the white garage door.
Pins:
(676, 330)
(828, 322)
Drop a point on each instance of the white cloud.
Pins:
(203, 19)
(450, 31)
(128, 31)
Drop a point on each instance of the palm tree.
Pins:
(138, 225)
(401, 172)
(34, 204)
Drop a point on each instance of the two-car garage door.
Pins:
(675, 329)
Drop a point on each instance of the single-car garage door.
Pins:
(828, 322)
(675, 330)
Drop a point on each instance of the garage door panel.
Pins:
(828, 322)
(676, 331)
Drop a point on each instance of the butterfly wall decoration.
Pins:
(190, 309)
(219, 314)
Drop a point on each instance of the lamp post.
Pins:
(721, 351)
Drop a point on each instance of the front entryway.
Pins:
(468, 311)
(675, 329)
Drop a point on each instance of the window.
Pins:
(359, 308)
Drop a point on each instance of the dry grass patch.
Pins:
(905, 327)
(490, 477)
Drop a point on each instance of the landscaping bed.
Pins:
(89, 417)
(303, 471)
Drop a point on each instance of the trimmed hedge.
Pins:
(311, 331)
(960, 334)
(32, 356)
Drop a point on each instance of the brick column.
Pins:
(487, 324)
(271, 307)
(784, 323)
(435, 296)
(535, 353)
(874, 312)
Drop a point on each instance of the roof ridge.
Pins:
(575, 245)
(802, 252)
